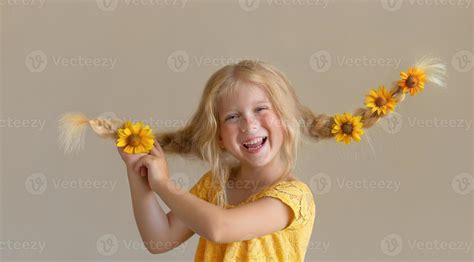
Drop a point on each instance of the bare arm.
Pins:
(226, 225)
(197, 214)
(160, 232)
(212, 222)
(256, 219)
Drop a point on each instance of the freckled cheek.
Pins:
(272, 123)
(228, 134)
(276, 129)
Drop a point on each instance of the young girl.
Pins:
(249, 206)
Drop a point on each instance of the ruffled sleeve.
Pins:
(298, 197)
(202, 187)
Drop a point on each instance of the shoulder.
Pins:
(297, 196)
(202, 186)
(292, 187)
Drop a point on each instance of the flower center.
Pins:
(380, 101)
(134, 140)
(410, 82)
(347, 128)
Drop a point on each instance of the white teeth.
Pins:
(254, 141)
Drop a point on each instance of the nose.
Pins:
(248, 124)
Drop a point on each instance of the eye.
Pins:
(260, 109)
(231, 117)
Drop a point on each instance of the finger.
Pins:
(158, 146)
(143, 171)
(156, 150)
(140, 162)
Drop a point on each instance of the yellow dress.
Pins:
(289, 244)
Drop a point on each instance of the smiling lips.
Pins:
(255, 144)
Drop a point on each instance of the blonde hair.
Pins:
(199, 137)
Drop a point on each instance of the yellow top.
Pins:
(288, 244)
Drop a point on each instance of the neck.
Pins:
(262, 175)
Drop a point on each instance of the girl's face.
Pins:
(249, 126)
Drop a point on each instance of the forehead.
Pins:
(242, 96)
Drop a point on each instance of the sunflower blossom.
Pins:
(380, 101)
(412, 81)
(347, 128)
(135, 138)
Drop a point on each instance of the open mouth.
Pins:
(255, 145)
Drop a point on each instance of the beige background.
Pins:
(160, 70)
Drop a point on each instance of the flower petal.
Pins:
(121, 142)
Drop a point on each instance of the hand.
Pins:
(131, 159)
(155, 165)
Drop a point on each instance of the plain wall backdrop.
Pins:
(403, 193)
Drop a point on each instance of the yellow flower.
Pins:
(380, 101)
(347, 127)
(136, 138)
(412, 81)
